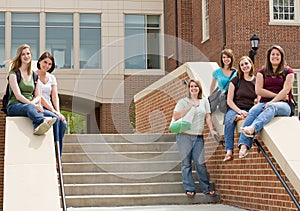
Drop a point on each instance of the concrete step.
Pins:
(121, 177)
(119, 147)
(124, 170)
(112, 167)
(119, 138)
(124, 188)
(138, 199)
(120, 156)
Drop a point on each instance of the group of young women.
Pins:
(257, 98)
(36, 100)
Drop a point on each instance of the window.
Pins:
(205, 20)
(142, 43)
(59, 39)
(2, 39)
(25, 29)
(285, 11)
(90, 41)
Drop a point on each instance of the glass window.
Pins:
(90, 41)
(25, 29)
(142, 43)
(283, 10)
(59, 39)
(2, 39)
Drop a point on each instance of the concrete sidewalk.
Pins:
(195, 207)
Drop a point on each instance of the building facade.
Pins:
(105, 52)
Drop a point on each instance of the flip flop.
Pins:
(243, 153)
(211, 193)
(190, 194)
(247, 132)
(228, 158)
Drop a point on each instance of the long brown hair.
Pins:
(240, 73)
(268, 69)
(198, 84)
(16, 62)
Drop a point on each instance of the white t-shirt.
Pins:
(199, 116)
(47, 87)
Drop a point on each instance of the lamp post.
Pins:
(254, 40)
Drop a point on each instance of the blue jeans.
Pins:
(229, 129)
(191, 147)
(258, 117)
(59, 128)
(28, 110)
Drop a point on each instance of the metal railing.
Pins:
(261, 149)
(60, 175)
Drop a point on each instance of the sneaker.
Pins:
(51, 121)
(41, 129)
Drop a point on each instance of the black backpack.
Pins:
(7, 95)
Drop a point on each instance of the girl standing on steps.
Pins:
(25, 95)
(191, 143)
(49, 98)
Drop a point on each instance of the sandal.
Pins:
(247, 131)
(243, 153)
(211, 193)
(190, 194)
(228, 157)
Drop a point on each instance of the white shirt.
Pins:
(47, 87)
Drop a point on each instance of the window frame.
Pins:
(145, 28)
(296, 20)
(205, 20)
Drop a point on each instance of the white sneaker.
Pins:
(51, 121)
(41, 129)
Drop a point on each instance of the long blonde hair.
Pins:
(16, 62)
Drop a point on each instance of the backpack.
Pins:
(7, 95)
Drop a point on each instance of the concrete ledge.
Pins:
(281, 136)
(30, 178)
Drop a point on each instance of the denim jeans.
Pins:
(59, 128)
(191, 148)
(258, 117)
(28, 110)
(229, 129)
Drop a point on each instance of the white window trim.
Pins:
(285, 22)
(205, 31)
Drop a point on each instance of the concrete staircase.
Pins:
(124, 170)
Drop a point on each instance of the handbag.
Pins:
(184, 123)
(219, 98)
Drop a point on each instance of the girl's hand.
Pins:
(39, 108)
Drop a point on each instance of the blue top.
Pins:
(222, 79)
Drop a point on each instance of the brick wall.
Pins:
(243, 18)
(115, 118)
(247, 183)
(154, 112)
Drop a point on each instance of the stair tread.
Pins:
(120, 184)
(133, 195)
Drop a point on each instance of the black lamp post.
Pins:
(254, 40)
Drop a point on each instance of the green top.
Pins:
(26, 88)
(198, 122)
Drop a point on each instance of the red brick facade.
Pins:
(243, 18)
(247, 183)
